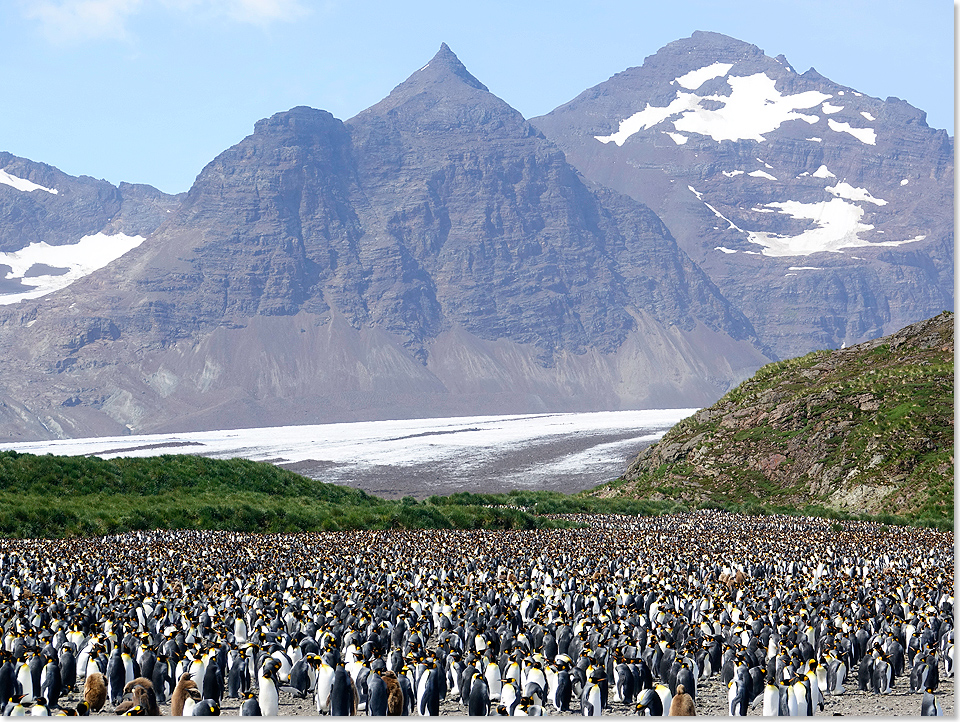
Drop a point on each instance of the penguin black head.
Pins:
(207, 708)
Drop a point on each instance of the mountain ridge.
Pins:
(433, 255)
(439, 254)
(824, 215)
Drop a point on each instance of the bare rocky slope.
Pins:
(823, 214)
(649, 244)
(435, 255)
(867, 429)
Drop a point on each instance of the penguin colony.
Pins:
(700, 613)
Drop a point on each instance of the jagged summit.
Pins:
(443, 96)
(720, 47)
(443, 76)
(786, 187)
(446, 61)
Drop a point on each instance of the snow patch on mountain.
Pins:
(22, 184)
(761, 174)
(40, 268)
(837, 225)
(753, 107)
(695, 78)
(845, 190)
(823, 172)
(864, 135)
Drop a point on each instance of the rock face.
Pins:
(863, 429)
(824, 215)
(55, 228)
(433, 255)
(40, 204)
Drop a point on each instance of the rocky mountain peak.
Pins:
(299, 121)
(446, 63)
(444, 97)
(824, 212)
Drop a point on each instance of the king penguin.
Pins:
(269, 697)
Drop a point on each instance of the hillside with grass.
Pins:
(68, 496)
(867, 429)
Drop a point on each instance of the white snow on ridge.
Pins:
(754, 107)
(724, 249)
(867, 115)
(22, 184)
(904, 181)
(695, 78)
(845, 190)
(829, 109)
(761, 174)
(77, 259)
(677, 137)
(733, 173)
(823, 172)
(649, 117)
(864, 135)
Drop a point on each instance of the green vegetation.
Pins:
(56, 496)
(868, 428)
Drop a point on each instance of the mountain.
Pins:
(864, 429)
(434, 255)
(56, 228)
(823, 214)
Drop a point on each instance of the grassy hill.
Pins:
(867, 429)
(64, 496)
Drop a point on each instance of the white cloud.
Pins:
(80, 20)
(72, 20)
(260, 12)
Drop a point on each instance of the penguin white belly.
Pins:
(269, 698)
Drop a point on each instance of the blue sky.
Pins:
(149, 91)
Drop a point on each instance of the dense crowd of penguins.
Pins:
(623, 615)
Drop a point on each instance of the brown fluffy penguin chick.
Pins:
(394, 694)
(95, 692)
(184, 686)
(144, 696)
(141, 681)
(682, 705)
(124, 707)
